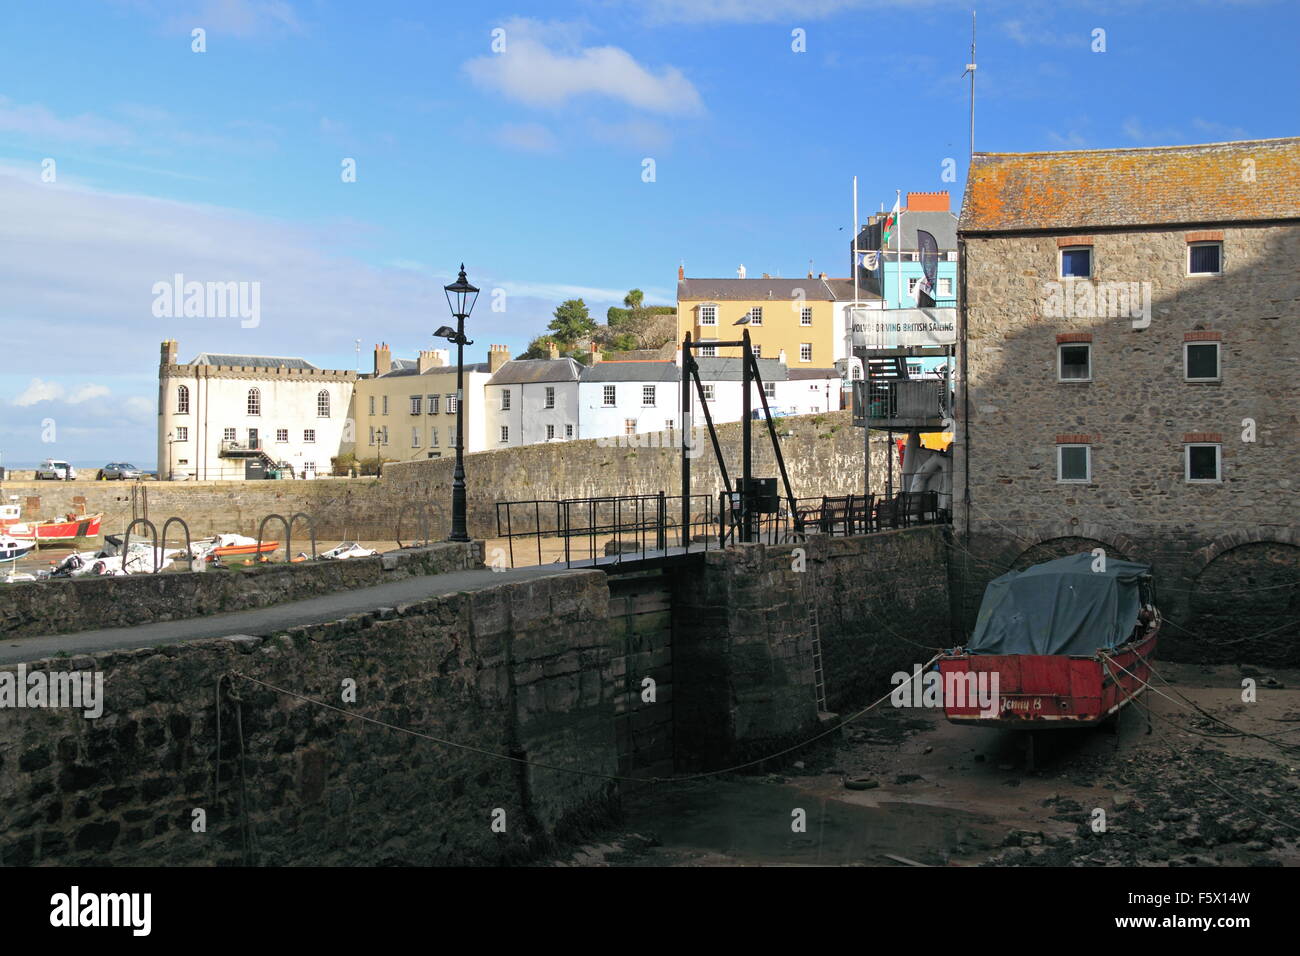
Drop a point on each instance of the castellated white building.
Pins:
(232, 417)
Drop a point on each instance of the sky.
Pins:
(341, 159)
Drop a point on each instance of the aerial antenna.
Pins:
(970, 68)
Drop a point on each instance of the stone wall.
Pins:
(520, 669)
(1136, 414)
(66, 605)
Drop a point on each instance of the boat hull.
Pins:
(52, 532)
(243, 550)
(1045, 692)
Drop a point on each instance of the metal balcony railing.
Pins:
(236, 446)
(899, 399)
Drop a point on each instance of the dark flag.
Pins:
(929, 250)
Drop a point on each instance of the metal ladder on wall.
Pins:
(814, 626)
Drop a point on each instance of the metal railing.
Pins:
(234, 444)
(892, 399)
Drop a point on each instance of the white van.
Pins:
(54, 470)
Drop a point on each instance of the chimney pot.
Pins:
(681, 273)
(498, 355)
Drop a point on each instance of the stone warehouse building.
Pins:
(1130, 335)
(226, 417)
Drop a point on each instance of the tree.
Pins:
(572, 322)
(634, 299)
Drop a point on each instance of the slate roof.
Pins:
(778, 290)
(410, 367)
(528, 371)
(941, 225)
(643, 371)
(799, 374)
(1164, 185)
(255, 361)
(719, 369)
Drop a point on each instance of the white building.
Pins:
(233, 417)
(624, 398)
(532, 400)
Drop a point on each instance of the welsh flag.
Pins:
(888, 230)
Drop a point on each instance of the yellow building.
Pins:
(406, 408)
(797, 321)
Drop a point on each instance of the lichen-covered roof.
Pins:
(1086, 188)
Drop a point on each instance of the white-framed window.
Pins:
(1074, 362)
(383, 435)
(648, 396)
(182, 399)
(1203, 462)
(227, 434)
(629, 426)
(708, 393)
(505, 399)
(756, 315)
(769, 389)
(254, 401)
(708, 351)
(372, 407)
(505, 433)
(550, 432)
(309, 435)
(416, 402)
(1204, 258)
(1076, 262)
(1201, 361)
(609, 396)
(323, 404)
(945, 288)
(451, 404)
(384, 400)
(805, 351)
(708, 315)
(372, 434)
(757, 349)
(912, 283)
(431, 404)
(433, 437)
(913, 369)
(805, 315)
(309, 466)
(183, 433)
(550, 396)
(282, 434)
(568, 431)
(1074, 463)
(415, 436)
(670, 424)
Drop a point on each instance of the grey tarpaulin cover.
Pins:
(1059, 607)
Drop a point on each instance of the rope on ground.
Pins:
(571, 770)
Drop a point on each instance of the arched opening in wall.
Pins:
(1055, 548)
(1245, 607)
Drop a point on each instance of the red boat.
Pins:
(1063, 644)
(54, 531)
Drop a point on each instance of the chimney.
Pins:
(553, 348)
(168, 356)
(498, 355)
(432, 358)
(383, 359)
(821, 275)
(595, 353)
(740, 273)
(681, 273)
(928, 202)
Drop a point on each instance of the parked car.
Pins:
(52, 469)
(120, 470)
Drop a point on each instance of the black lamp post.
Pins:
(460, 298)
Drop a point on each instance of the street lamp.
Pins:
(171, 438)
(460, 299)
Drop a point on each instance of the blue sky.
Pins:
(525, 163)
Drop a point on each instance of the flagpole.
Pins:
(855, 243)
(898, 273)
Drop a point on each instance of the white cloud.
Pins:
(38, 391)
(84, 393)
(529, 137)
(764, 11)
(531, 72)
(1135, 131)
(1221, 132)
(34, 121)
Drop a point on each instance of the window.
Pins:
(805, 315)
(416, 402)
(383, 435)
(1073, 463)
(648, 395)
(183, 433)
(452, 404)
(372, 407)
(431, 404)
(505, 433)
(756, 315)
(708, 393)
(1076, 262)
(945, 288)
(550, 396)
(372, 434)
(254, 402)
(323, 404)
(670, 424)
(756, 349)
(282, 434)
(309, 436)
(1204, 258)
(415, 436)
(629, 426)
(1074, 363)
(182, 400)
(708, 315)
(912, 284)
(550, 432)
(913, 369)
(433, 437)
(568, 431)
(805, 352)
(384, 399)
(769, 389)
(227, 434)
(708, 351)
(505, 399)
(610, 396)
(1201, 361)
(1203, 462)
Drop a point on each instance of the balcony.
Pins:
(902, 404)
(233, 448)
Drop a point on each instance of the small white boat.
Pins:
(11, 549)
(348, 549)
